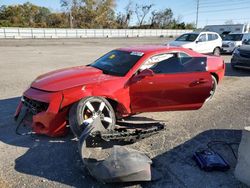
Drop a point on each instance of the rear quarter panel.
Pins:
(216, 65)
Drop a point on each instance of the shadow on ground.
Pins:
(58, 160)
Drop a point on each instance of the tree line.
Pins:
(96, 14)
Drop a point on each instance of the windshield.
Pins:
(233, 37)
(187, 37)
(117, 62)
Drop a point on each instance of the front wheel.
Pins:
(91, 109)
(216, 51)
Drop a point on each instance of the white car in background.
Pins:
(202, 42)
(232, 41)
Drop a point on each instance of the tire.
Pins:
(213, 89)
(217, 51)
(88, 110)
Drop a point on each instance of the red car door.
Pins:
(171, 86)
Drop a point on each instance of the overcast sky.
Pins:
(211, 11)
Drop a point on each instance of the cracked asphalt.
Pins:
(39, 161)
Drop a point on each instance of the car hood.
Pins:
(180, 43)
(70, 77)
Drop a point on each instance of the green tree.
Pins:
(26, 15)
(90, 13)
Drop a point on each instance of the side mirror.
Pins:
(145, 73)
(197, 41)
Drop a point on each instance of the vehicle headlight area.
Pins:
(232, 44)
(236, 51)
(42, 112)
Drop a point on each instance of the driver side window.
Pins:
(175, 62)
(202, 38)
(154, 60)
(171, 65)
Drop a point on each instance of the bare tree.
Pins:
(123, 19)
(161, 19)
(141, 12)
(153, 18)
(67, 4)
(129, 12)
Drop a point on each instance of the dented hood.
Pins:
(70, 77)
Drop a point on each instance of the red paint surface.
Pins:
(133, 93)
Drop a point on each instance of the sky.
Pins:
(210, 11)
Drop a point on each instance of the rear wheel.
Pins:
(213, 89)
(91, 109)
(216, 51)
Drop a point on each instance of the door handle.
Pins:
(202, 81)
(198, 82)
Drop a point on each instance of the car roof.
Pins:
(151, 48)
(237, 33)
(199, 32)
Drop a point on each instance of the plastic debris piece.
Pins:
(108, 162)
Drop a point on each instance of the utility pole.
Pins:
(197, 12)
(70, 3)
(70, 17)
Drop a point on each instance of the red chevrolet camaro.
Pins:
(121, 83)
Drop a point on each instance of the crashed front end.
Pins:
(42, 111)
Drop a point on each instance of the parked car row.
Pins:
(234, 40)
(241, 56)
(211, 43)
(202, 42)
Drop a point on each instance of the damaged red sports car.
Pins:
(121, 83)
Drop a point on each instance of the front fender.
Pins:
(73, 95)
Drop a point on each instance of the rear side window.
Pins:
(215, 36)
(212, 37)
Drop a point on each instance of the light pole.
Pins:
(197, 13)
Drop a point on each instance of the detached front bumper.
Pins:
(45, 115)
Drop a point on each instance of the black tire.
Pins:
(213, 89)
(217, 51)
(88, 110)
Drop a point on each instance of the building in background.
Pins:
(226, 29)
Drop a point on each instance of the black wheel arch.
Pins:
(216, 76)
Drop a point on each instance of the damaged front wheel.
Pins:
(91, 109)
